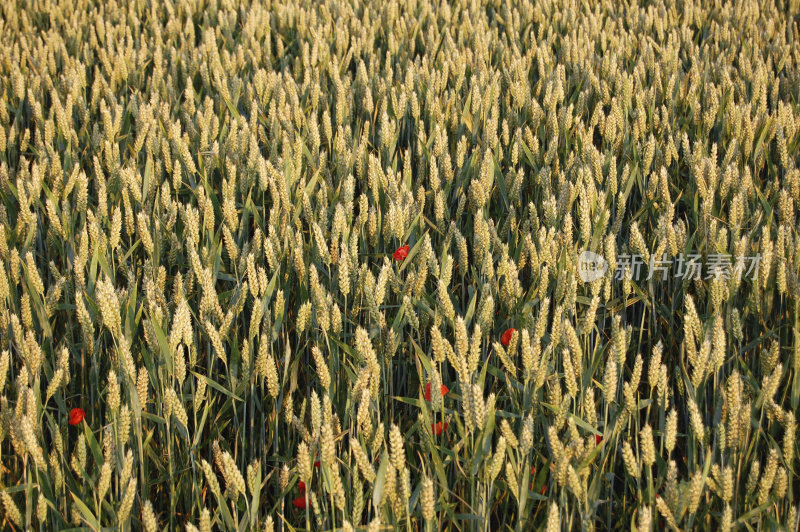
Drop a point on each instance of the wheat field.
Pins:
(418, 266)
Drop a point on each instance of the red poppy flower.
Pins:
(76, 415)
(302, 486)
(316, 464)
(543, 490)
(506, 338)
(598, 439)
(401, 253)
(444, 389)
(300, 502)
(439, 427)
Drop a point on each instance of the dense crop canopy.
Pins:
(339, 265)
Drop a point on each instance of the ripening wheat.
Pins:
(347, 265)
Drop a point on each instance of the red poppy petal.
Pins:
(506, 338)
(428, 392)
(302, 486)
(401, 252)
(439, 428)
(598, 439)
(76, 415)
(444, 390)
(299, 502)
